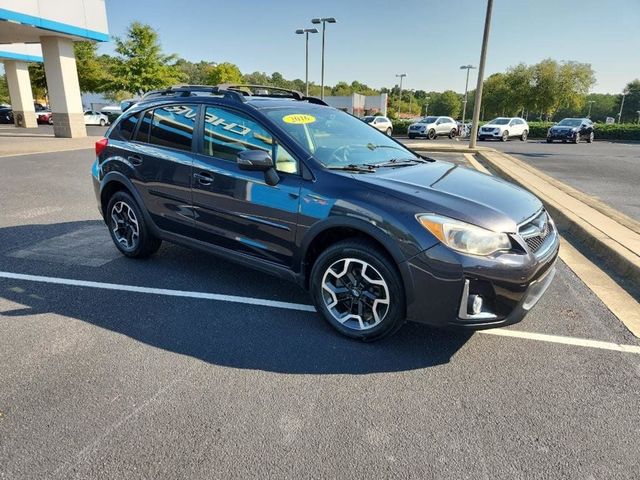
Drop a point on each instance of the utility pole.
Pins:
(621, 107)
(324, 21)
(306, 31)
(401, 75)
(426, 105)
(590, 102)
(466, 89)
(483, 57)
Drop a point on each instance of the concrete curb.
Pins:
(611, 235)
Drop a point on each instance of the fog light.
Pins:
(475, 304)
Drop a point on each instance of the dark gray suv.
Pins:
(283, 183)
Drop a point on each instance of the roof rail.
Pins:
(246, 89)
(235, 92)
(190, 90)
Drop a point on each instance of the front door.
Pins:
(236, 209)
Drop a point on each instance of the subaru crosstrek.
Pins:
(281, 182)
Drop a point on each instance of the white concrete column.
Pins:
(63, 87)
(24, 114)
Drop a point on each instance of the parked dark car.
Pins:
(6, 115)
(285, 184)
(572, 130)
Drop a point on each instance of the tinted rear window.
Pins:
(173, 126)
(127, 126)
(145, 126)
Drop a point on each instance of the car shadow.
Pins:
(235, 335)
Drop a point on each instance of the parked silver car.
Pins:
(380, 123)
(432, 127)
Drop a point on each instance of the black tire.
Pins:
(146, 244)
(524, 136)
(452, 133)
(590, 138)
(549, 140)
(576, 139)
(431, 135)
(411, 137)
(482, 139)
(505, 136)
(384, 270)
(389, 132)
(102, 122)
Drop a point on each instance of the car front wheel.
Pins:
(432, 134)
(388, 132)
(128, 228)
(358, 290)
(102, 122)
(524, 136)
(576, 139)
(505, 136)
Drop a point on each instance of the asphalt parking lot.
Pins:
(607, 170)
(178, 366)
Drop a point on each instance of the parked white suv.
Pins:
(502, 128)
(432, 127)
(380, 123)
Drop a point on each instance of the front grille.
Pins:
(536, 231)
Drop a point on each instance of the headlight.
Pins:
(464, 237)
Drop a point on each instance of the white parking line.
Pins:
(159, 291)
(579, 342)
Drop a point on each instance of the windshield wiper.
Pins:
(363, 167)
(400, 162)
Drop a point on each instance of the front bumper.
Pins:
(510, 284)
(562, 135)
(492, 134)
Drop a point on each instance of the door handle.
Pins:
(135, 160)
(203, 178)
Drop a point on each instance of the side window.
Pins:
(128, 126)
(227, 133)
(172, 126)
(145, 126)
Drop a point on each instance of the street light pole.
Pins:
(638, 112)
(426, 105)
(324, 21)
(466, 89)
(401, 75)
(483, 57)
(590, 102)
(306, 31)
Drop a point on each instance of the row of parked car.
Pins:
(44, 115)
(501, 128)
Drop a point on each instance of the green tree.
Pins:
(518, 83)
(4, 90)
(631, 102)
(92, 72)
(38, 80)
(195, 73)
(224, 73)
(140, 65)
(448, 103)
(256, 78)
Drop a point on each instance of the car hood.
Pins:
(562, 127)
(458, 192)
(493, 125)
(421, 124)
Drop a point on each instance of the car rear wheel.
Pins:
(431, 134)
(358, 290)
(128, 228)
(452, 133)
(388, 132)
(102, 122)
(591, 137)
(524, 136)
(505, 136)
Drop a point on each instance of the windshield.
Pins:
(428, 120)
(571, 122)
(337, 139)
(500, 121)
(368, 119)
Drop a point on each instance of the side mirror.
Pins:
(258, 161)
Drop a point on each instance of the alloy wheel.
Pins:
(355, 293)
(124, 225)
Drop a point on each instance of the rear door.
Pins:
(161, 156)
(234, 208)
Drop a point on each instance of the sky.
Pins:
(373, 40)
